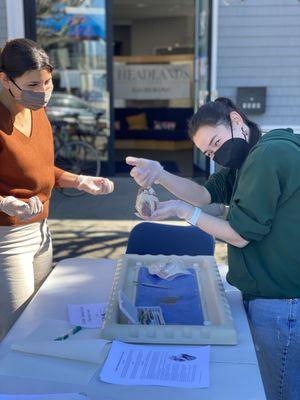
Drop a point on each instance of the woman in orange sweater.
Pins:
(28, 175)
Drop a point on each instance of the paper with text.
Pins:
(177, 366)
(87, 315)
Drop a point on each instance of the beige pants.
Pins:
(25, 261)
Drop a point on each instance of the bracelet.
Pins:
(194, 218)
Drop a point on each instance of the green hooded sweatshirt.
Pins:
(264, 200)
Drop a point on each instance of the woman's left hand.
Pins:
(94, 185)
(172, 208)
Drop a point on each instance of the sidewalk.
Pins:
(98, 226)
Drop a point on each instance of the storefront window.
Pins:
(73, 33)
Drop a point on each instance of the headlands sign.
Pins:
(152, 81)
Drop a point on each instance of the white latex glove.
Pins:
(172, 208)
(94, 185)
(145, 172)
(17, 208)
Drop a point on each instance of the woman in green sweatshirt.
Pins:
(260, 182)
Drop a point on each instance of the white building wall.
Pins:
(259, 45)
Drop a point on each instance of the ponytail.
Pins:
(218, 112)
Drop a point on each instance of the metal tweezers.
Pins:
(150, 285)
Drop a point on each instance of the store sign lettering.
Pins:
(152, 81)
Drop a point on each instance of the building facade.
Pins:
(254, 50)
(259, 46)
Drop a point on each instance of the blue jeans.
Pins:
(275, 328)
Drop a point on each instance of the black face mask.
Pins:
(233, 152)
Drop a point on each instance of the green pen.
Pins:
(68, 334)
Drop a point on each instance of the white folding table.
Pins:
(234, 372)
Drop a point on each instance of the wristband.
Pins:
(194, 218)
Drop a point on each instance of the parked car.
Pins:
(63, 106)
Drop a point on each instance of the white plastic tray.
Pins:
(218, 327)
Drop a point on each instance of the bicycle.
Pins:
(75, 156)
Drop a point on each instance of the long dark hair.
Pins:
(218, 112)
(22, 55)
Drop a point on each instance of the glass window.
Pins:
(73, 33)
(67, 102)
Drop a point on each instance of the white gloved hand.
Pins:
(94, 185)
(172, 208)
(145, 172)
(17, 208)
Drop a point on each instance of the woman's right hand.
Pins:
(17, 208)
(145, 172)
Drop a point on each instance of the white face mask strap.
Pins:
(244, 133)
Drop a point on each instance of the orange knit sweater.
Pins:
(26, 163)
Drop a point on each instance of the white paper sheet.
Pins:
(86, 350)
(30, 366)
(56, 396)
(42, 342)
(87, 315)
(176, 366)
(40, 357)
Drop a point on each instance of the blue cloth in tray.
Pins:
(180, 302)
